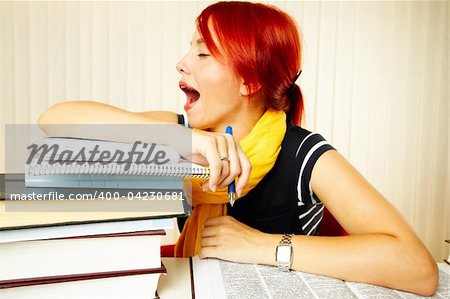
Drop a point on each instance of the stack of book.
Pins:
(80, 255)
(101, 252)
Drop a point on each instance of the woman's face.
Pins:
(212, 88)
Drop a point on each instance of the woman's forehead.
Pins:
(196, 39)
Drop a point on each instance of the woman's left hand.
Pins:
(228, 239)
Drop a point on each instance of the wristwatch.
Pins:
(283, 254)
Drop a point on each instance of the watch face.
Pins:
(284, 253)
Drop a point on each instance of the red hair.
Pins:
(262, 43)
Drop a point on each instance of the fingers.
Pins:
(215, 164)
(214, 235)
(218, 220)
(224, 153)
(212, 231)
(225, 158)
(246, 168)
(219, 161)
(208, 241)
(234, 163)
(207, 252)
(198, 159)
(226, 238)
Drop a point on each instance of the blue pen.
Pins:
(232, 185)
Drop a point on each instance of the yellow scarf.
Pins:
(261, 146)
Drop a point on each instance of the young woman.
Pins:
(241, 71)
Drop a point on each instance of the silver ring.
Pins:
(224, 159)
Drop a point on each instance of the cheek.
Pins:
(219, 90)
(220, 98)
(220, 86)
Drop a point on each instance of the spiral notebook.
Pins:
(69, 165)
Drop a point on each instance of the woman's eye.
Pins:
(202, 55)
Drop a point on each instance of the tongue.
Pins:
(192, 96)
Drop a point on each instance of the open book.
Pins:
(220, 279)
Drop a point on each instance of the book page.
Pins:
(208, 282)
(444, 281)
(326, 287)
(363, 290)
(244, 280)
(259, 281)
(177, 282)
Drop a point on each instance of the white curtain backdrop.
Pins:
(375, 80)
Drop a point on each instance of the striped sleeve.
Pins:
(308, 152)
(182, 121)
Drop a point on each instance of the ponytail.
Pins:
(296, 106)
(295, 100)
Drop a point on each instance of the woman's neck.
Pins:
(242, 122)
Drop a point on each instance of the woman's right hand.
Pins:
(211, 149)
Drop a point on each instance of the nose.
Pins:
(182, 66)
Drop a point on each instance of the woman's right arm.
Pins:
(95, 120)
(70, 119)
(84, 112)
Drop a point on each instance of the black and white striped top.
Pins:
(308, 152)
(283, 202)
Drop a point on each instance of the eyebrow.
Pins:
(198, 42)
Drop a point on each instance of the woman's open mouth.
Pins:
(191, 93)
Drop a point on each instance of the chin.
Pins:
(199, 123)
(194, 121)
(199, 126)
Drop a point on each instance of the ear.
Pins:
(248, 89)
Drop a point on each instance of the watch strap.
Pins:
(285, 266)
(286, 239)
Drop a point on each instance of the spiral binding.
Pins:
(178, 170)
